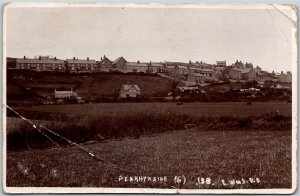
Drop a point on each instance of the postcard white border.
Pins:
(155, 190)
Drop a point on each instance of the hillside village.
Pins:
(192, 78)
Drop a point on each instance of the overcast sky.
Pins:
(260, 36)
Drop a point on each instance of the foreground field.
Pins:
(222, 142)
(191, 109)
(193, 153)
(98, 122)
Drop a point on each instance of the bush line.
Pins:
(95, 128)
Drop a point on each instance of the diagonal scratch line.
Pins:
(39, 130)
(85, 150)
(294, 22)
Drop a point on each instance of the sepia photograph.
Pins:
(149, 98)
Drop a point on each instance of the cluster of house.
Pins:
(127, 91)
(195, 72)
(240, 71)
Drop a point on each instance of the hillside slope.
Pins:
(97, 86)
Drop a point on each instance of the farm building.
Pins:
(196, 78)
(257, 69)
(104, 64)
(249, 65)
(181, 70)
(205, 72)
(192, 70)
(242, 74)
(136, 67)
(63, 93)
(170, 69)
(42, 63)
(239, 64)
(261, 76)
(285, 78)
(200, 65)
(119, 64)
(156, 67)
(81, 65)
(129, 91)
(221, 63)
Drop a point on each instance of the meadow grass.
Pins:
(144, 140)
(191, 109)
(194, 153)
(103, 125)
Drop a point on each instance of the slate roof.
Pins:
(170, 66)
(194, 64)
(242, 70)
(195, 68)
(221, 62)
(104, 60)
(115, 61)
(81, 61)
(42, 61)
(157, 64)
(206, 70)
(137, 64)
(182, 67)
(128, 86)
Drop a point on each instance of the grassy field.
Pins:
(193, 153)
(191, 109)
(98, 122)
(97, 85)
(220, 141)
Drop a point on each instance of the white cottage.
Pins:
(63, 93)
(129, 91)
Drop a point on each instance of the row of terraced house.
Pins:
(197, 72)
(46, 63)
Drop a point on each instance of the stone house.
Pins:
(119, 64)
(129, 91)
(104, 64)
(247, 74)
(81, 65)
(42, 63)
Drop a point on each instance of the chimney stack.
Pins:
(74, 58)
(24, 57)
